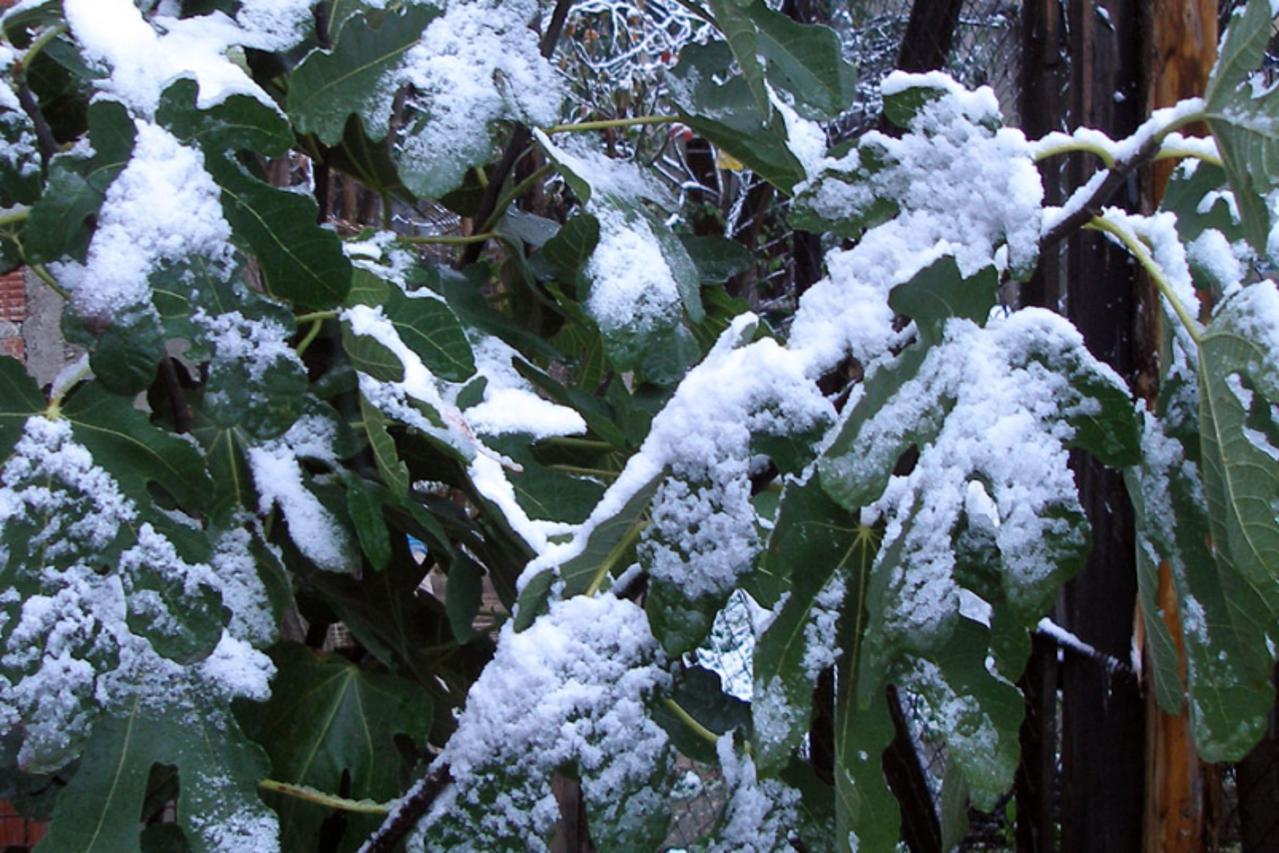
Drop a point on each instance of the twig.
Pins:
(520, 140)
(1084, 210)
(182, 417)
(605, 124)
(410, 809)
(444, 239)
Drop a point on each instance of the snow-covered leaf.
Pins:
(352, 77)
(77, 185)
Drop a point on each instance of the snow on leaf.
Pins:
(281, 481)
(951, 185)
(163, 208)
(1000, 406)
(571, 691)
(477, 63)
(109, 594)
(143, 57)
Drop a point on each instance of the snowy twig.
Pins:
(1069, 640)
(1133, 153)
(409, 810)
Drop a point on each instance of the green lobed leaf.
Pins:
(301, 262)
(817, 544)
(331, 725)
(1234, 612)
(136, 453)
(20, 398)
(1245, 125)
(239, 123)
(394, 474)
(365, 511)
(219, 771)
(727, 114)
(330, 85)
(76, 186)
(804, 60)
(430, 328)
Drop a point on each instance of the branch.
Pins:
(1133, 153)
(410, 809)
(520, 139)
(182, 415)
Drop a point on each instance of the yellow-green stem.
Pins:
(443, 239)
(13, 217)
(1181, 153)
(586, 472)
(311, 334)
(1141, 252)
(44, 275)
(687, 719)
(606, 565)
(1072, 145)
(605, 124)
(316, 315)
(40, 43)
(580, 443)
(312, 795)
(499, 210)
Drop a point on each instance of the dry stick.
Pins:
(417, 802)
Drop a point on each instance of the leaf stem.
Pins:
(444, 239)
(13, 217)
(311, 335)
(316, 315)
(1071, 145)
(1172, 152)
(499, 209)
(320, 798)
(687, 719)
(40, 43)
(579, 443)
(606, 565)
(605, 124)
(44, 275)
(1141, 252)
(585, 472)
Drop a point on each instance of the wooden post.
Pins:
(1103, 714)
(1182, 46)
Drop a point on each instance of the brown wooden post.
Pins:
(1045, 73)
(1182, 46)
(1103, 713)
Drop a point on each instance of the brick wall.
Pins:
(13, 310)
(16, 832)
